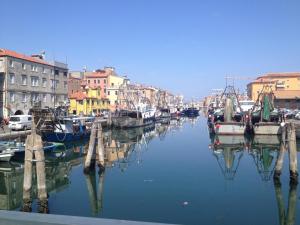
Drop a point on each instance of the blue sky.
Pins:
(185, 46)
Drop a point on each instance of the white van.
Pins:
(20, 122)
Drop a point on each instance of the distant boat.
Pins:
(68, 129)
(191, 112)
(144, 116)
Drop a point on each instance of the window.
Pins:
(65, 84)
(56, 72)
(54, 84)
(44, 82)
(52, 98)
(52, 72)
(108, 93)
(12, 96)
(80, 102)
(44, 70)
(116, 92)
(65, 74)
(12, 78)
(89, 81)
(23, 66)
(104, 81)
(24, 79)
(44, 98)
(34, 68)
(35, 97)
(34, 81)
(94, 81)
(112, 84)
(11, 63)
(24, 97)
(98, 81)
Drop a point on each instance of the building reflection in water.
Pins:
(122, 148)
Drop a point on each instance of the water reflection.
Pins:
(122, 148)
(265, 151)
(228, 151)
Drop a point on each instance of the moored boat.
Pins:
(68, 129)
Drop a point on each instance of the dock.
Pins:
(16, 218)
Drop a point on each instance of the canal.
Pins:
(173, 173)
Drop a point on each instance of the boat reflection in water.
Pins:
(122, 148)
(228, 151)
(264, 150)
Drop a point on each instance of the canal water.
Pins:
(171, 173)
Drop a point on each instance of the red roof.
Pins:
(276, 75)
(5, 52)
(78, 95)
(100, 74)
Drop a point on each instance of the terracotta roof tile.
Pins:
(101, 74)
(78, 95)
(5, 52)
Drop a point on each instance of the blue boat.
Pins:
(191, 112)
(69, 129)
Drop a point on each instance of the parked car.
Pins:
(20, 122)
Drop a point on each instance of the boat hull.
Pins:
(128, 122)
(5, 157)
(229, 128)
(267, 128)
(64, 137)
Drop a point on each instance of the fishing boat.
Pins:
(143, 116)
(67, 129)
(265, 118)
(135, 109)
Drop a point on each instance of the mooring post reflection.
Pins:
(286, 217)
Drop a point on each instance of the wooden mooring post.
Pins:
(288, 141)
(34, 153)
(89, 164)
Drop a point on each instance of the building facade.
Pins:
(26, 80)
(285, 86)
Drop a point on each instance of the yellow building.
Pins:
(87, 102)
(285, 86)
(278, 82)
(112, 90)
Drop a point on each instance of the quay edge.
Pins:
(16, 218)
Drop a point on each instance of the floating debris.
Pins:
(148, 180)
(185, 203)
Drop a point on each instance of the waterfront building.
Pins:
(74, 85)
(285, 86)
(27, 80)
(87, 101)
